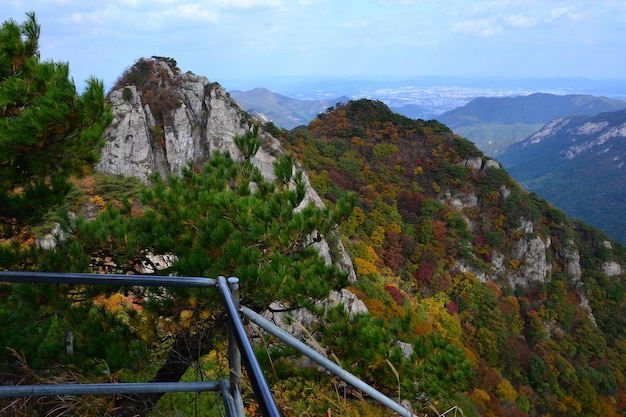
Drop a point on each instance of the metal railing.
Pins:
(239, 346)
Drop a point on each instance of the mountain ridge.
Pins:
(577, 163)
(495, 123)
(283, 111)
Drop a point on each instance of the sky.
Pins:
(240, 43)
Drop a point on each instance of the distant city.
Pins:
(436, 95)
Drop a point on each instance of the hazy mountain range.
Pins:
(494, 123)
(586, 187)
(283, 111)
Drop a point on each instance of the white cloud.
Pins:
(521, 21)
(557, 13)
(194, 12)
(479, 27)
(246, 4)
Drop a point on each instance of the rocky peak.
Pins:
(163, 119)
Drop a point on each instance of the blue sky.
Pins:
(239, 42)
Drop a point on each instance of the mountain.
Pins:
(161, 127)
(445, 241)
(577, 163)
(284, 112)
(414, 111)
(495, 123)
(478, 295)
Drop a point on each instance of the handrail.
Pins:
(329, 365)
(240, 347)
(231, 391)
(106, 279)
(106, 388)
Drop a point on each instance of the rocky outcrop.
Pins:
(477, 164)
(188, 121)
(531, 253)
(203, 120)
(297, 322)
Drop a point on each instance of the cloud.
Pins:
(521, 21)
(557, 13)
(479, 27)
(246, 4)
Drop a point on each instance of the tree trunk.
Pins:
(187, 349)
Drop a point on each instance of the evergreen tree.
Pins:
(48, 131)
(221, 219)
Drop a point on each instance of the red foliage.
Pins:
(452, 307)
(338, 178)
(396, 294)
(393, 254)
(488, 378)
(409, 204)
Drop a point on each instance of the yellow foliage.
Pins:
(479, 396)
(97, 200)
(514, 264)
(371, 255)
(375, 307)
(418, 170)
(364, 267)
(358, 216)
(506, 391)
(185, 318)
(113, 302)
(394, 227)
(378, 236)
(441, 319)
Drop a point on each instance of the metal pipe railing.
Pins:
(262, 392)
(106, 388)
(106, 279)
(239, 347)
(234, 355)
(312, 354)
(232, 401)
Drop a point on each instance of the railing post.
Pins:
(234, 355)
(261, 390)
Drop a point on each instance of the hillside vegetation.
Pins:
(436, 244)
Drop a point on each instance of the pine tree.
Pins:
(220, 219)
(48, 131)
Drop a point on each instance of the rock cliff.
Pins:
(164, 119)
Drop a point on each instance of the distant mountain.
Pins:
(284, 112)
(495, 123)
(414, 111)
(578, 164)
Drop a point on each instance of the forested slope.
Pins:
(448, 246)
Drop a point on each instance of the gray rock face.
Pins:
(204, 120)
(478, 164)
(298, 322)
(201, 119)
(534, 266)
(128, 148)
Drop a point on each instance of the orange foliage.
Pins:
(115, 302)
(364, 268)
